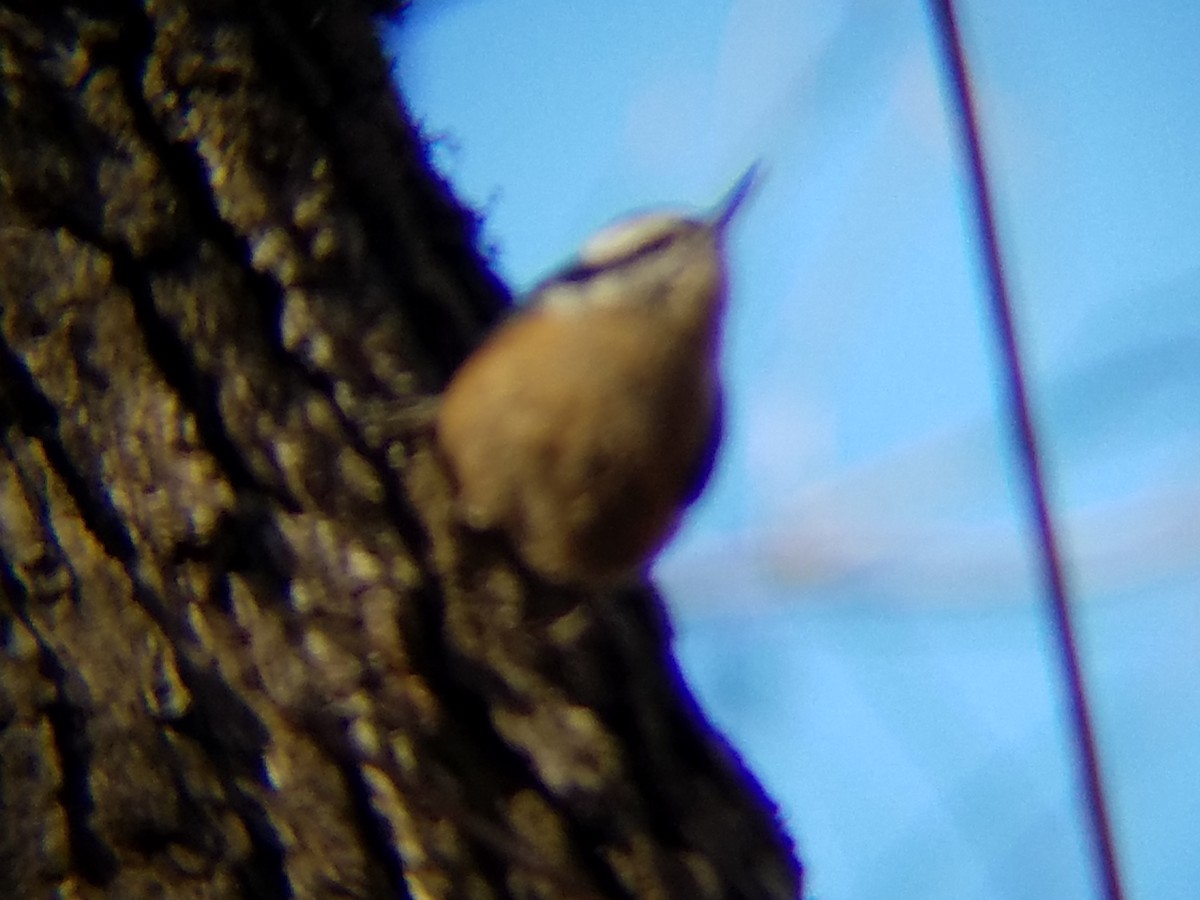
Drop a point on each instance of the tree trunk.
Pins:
(245, 647)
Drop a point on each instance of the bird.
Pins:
(588, 421)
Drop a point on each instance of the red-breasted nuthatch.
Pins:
(588, 421)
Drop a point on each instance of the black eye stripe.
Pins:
(582, 271)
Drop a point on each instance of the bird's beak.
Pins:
(734, 199)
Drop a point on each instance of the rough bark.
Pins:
(245, 647)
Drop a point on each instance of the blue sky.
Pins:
(854, 595)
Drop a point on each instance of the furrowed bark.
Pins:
(245, 647)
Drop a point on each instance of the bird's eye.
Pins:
(577, 272)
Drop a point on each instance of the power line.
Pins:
(1056, 589)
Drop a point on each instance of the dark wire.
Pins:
(1085, 741)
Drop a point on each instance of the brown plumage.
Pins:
(588, 421)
